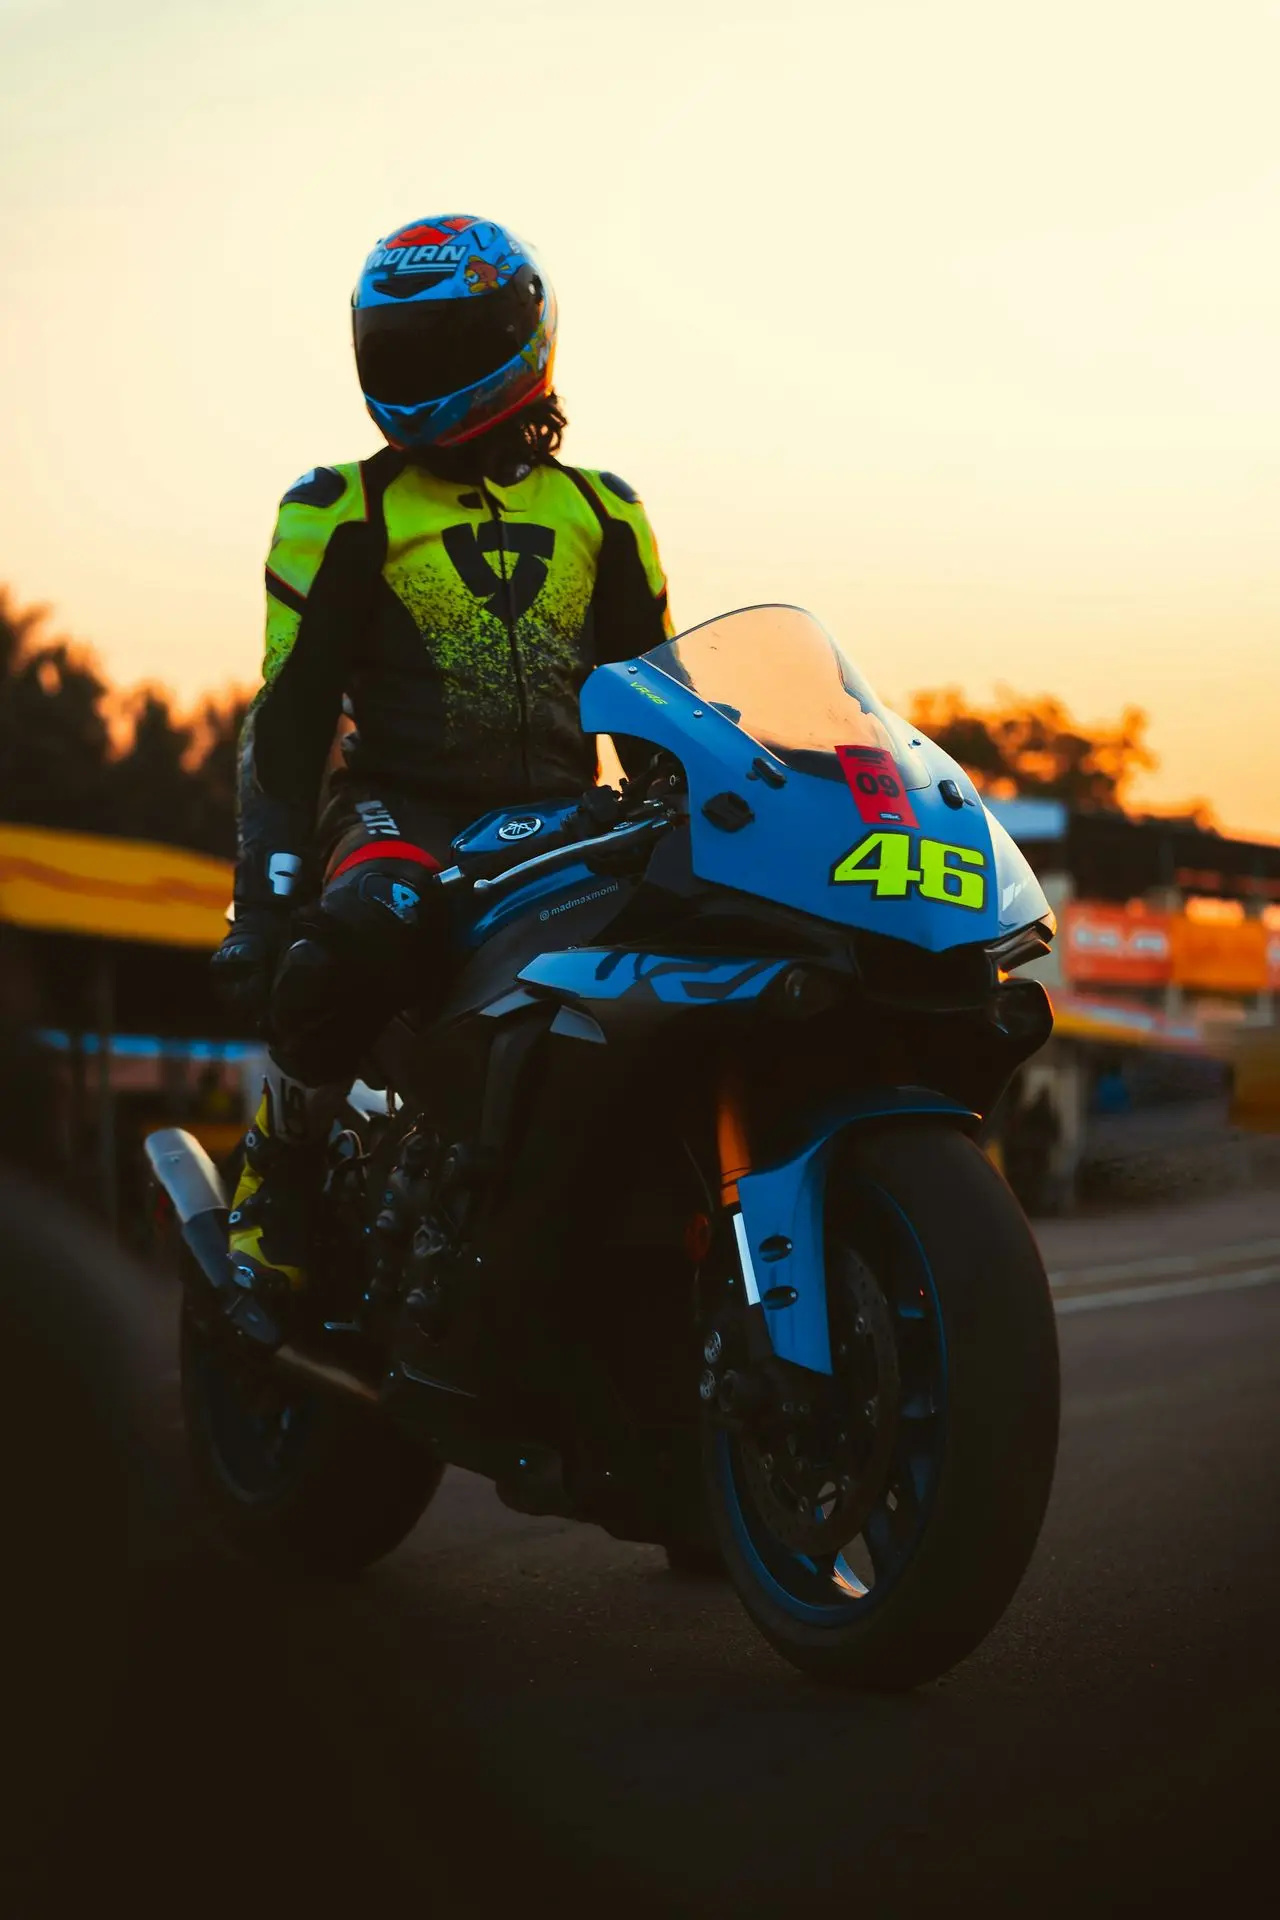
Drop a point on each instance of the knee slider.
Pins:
(365, 948)
(391, 903)
(391, 914)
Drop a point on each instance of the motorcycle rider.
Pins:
(450, 593)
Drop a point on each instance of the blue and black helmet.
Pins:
(455, 329)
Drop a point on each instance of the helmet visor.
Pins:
(428, 349)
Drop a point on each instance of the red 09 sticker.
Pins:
(877, 787)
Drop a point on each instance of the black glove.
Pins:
(245, 964)
(598, 811)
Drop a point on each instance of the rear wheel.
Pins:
(880, 1538)
(304, 1482)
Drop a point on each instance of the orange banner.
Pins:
(1111, 946)
(1230, 959)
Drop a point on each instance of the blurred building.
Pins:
(1167, 959)
(1160, 916)
(104, 958)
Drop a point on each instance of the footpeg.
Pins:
(248, 1316)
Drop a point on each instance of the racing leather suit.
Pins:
(454, 620)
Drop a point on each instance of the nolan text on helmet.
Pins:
(424, 266)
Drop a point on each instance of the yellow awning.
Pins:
(112, 889)
(1122, 1025)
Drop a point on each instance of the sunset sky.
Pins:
(957, 321)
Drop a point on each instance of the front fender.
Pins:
(782, 1233)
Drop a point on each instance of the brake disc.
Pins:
(815, 1482)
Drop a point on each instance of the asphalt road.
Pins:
(523, 1712)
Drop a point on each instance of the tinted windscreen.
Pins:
(428, 349)
(780, 676)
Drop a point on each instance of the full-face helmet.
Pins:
(455, 330)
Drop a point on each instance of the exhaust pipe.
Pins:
(189, 1177)
(192, 1182)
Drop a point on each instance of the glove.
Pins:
(244, 966)
(598, 811)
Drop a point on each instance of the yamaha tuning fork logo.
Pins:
(523, 827)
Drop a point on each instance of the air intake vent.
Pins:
(901, 975)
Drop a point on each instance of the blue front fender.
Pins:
(784, 1220)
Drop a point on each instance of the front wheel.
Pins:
(879, 1539)
(304, 1482)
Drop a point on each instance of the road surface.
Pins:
(523, 1715)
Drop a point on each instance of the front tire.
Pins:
(931, 1259)
(303, 1482)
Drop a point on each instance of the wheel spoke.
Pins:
(847, 1580)
(915, 1474)
(893, 1524)
(881, 1545)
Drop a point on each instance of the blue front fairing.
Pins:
(805, 829)
(803, 791)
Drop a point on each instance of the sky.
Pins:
(956, 321)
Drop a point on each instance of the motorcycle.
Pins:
(672, 1217)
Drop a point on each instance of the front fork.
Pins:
(741, 1370)
(778, 1212)
(733, 1146)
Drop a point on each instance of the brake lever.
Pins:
(619, 838)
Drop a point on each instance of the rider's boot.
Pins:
(276, 1215)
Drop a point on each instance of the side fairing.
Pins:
(949, 875)
(614, 973)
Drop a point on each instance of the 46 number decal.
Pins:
(954, 876)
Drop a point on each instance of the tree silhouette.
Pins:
(1032, 746)
(54, 740)
(216, 751)
(171, 780)
(149, 783)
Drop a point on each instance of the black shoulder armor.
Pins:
(620, 487)
(322, 487)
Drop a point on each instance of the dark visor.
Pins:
(426, 349)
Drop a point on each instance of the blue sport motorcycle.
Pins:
(672, 1218)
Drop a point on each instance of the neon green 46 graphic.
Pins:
(953, 875)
